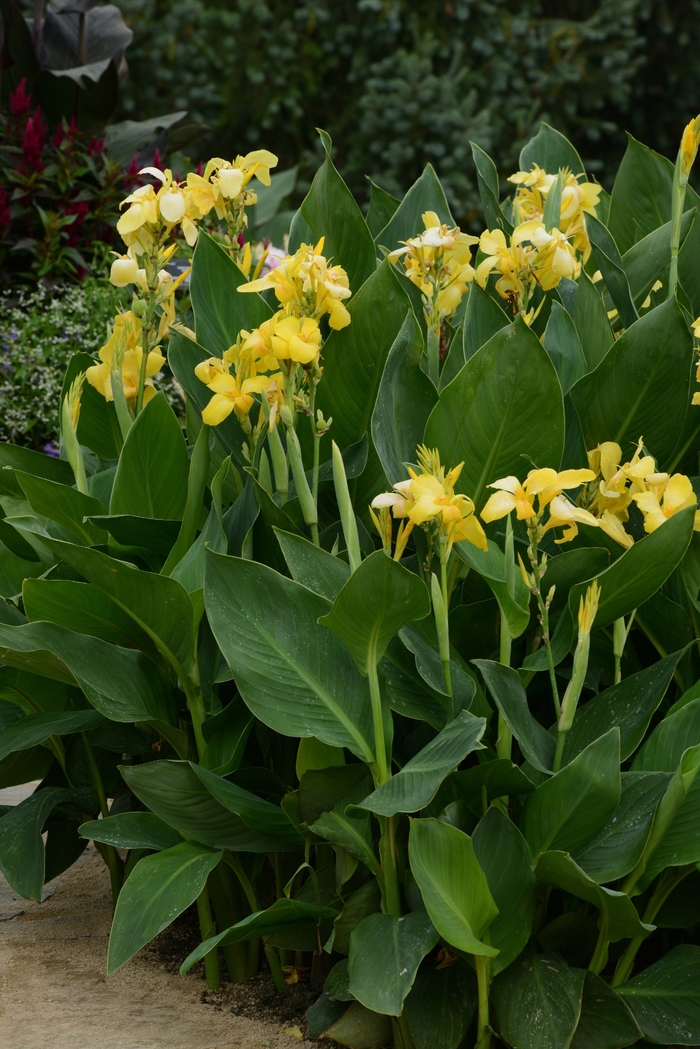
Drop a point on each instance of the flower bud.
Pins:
(123, 272)
(172, 204)
(230, 182)
(138, 307)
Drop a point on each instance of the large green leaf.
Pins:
(174, 791)
(566, 811)
(353, 358)
(416, 784)
(489, 190)
(606, 1022)
(426, 194)
(641, 387)
(385, 952)
(151, 479)
(615, 850)
(81, 607)
(591, 322)
(453, 885)
(260, 815)
(507, 585)
(132, 830)
(482, 319)
(641, 198)
(122, 684)
(490, 416)
(505, 859)
(607, 256)
(405, 399)
(295, 675)
(158, 604)
(537, 1002)
(629, 704)
(312, 566)
(283, 914)
(36, 728)
(550, 150)
(381, 207)
(648, 259)
(670, 739)
(329, 210)
(21, 846)
(158, 889)
(562, 343)
(30, 462)
(618, 915)
(420, 638)
(377, 600)
(219, 311)
(441, 1005)
(62, 504)
(506, 687)
(665, 998)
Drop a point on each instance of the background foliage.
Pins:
(398, 82)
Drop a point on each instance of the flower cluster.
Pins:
(616, 485)
(531, 257)
(541, 490)
(123, 354)
(233, 379)
(577, 200)
(428, 499)
(438, 261)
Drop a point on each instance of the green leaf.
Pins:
(426, 194)
(365, 901)
(377, 600)
(158, 889)
(618, 915)
(490, 416)
(350, 829)
(361, 1027)
(353, 358)
(122, 684)
(537, 1002)
(174, 791)
(550, 150)
(566, 811)
(513, 596)
(441, 1005)
(146, 535)
(226, 734)
(609, 261)
(21, 844)
(81, 607)
(151, 479)
(506, 687)
(606, 1022)
(615, 850)
(505, 859)
(62, 504)
(670, 739)
(420, 638)
(260, 815)
(312, 566)
(98, 426)
(629, 705)
(322, 789)
(385, 952)
(406, 690)
(132, 830)
(592, 324)
(381, 208)
(35, 463)
(158, 604)
(487, 180)
(648, 259)
(292, 673)
(417, 783)
(330, 211)
(641, 387)
(283, 914)
(497, 779)
(665, 998)
(562, 343)
(36, 728)
(641, 198)
(405, 399)
(219, 311)
(482, 320)
(453, 885)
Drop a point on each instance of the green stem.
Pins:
(544, 613)
(387, 857)
(677, 200)
(504, 744)
(377, 719)
(113, 861)
(195, 705)
(317, 441)
(600, 954)
(280, 467)
(232, 861)
(275, 968)
(207, 927)
(196, 487)
(145, 348)
(559, 753)
(483, 978)
(433, 351)
(304, 494)
(665, 886)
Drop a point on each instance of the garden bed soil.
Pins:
(54, 992)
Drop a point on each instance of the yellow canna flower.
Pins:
(124, 270)
(297, 340)
(555, 259)
(588, 608)
(563, 514)
(545, 484)
(665, 499)
(688, 149)
(578, 199)
(230, 396)
(124, 344)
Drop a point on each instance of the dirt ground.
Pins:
(54, 993)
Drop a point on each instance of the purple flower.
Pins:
(51, 449)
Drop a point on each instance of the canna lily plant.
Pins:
(385, 652)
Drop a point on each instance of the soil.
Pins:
(54, 992)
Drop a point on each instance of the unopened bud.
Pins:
(138, 307)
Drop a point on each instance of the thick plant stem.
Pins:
(666, 884)
(387, 856)
(504, 744)
(403, 1039)
(377, 720)
(317, 441)
(677, 201)
(441, 599)
(196, 488)
(145, 348)
(433, 351)
(110, 853)
(544, 614)
(275, 969)
(483, 977)
(207, 928)
(621, 631)
(280, 468)
(600, 954)
(304, 494)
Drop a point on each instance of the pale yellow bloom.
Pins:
(438, 261)
(670, 496)
(124, 344)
